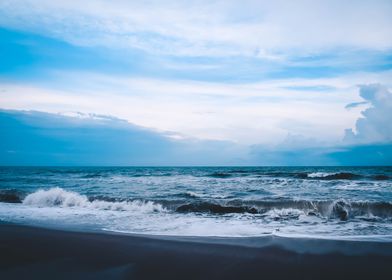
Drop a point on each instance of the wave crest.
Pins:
(334, 176)
(62, 198)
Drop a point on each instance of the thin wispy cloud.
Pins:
(218, 28)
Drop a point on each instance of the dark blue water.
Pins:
(330, 202)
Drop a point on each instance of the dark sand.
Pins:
(35, 253)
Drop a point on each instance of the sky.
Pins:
(196, 82)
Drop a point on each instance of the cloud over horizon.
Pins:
(37, 138)
(375, 125)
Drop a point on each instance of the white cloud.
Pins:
(249, 113)
(267, 29)
(375, 125)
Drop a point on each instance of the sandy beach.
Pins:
(37, 253)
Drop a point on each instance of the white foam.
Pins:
(199, 195)
(58, 197)
(285, 212)
(193, 194)
(320, 174)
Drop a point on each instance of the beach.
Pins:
(38, 253)
(204, 140)
(195, 223)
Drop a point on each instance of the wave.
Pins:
(337, 209)
(329, 175)
(190, 194)
(299, 175)
(93, 176)
(194, 195)
(221, 175)
(11, 196)
(381, 177)
(341, 209)
(215, 208)
(346, 176)
(334, 176)
(62, 198)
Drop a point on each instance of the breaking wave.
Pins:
(62, 198)
(333, 176)
(345, 176)
(195, 203)
(339, 209)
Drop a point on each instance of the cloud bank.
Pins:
(37, 138)
(369, 144)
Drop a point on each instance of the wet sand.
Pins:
(37, 253)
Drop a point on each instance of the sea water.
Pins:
(320, 202)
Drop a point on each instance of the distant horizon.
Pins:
(196, 166)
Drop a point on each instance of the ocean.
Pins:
(352, 203)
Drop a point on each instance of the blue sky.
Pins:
(272, 79)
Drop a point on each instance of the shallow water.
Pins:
(328, 202)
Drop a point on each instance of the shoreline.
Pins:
(31, 252)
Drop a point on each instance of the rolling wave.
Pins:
(300, 175)
(215, 208)
(345, 176)
(11, 196)
(340, 209)
(62, 198)
(337, 209)
(220, 175)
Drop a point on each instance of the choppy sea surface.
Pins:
(320, 202)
